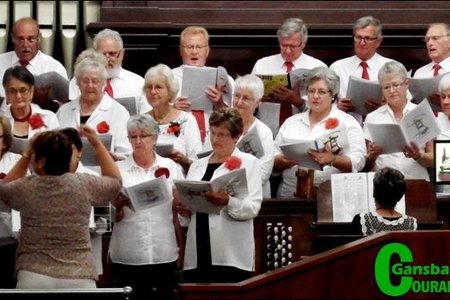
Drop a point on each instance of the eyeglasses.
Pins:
(196, 47)
(29, 39)
(394, 85)
(114, 54)
(22, 91)
(284, 46)
(139, 136)
(366, 39)
(219, 135)
(321, 93)
(246, 99)
(434, 38)
(156, 87)
(94, 81)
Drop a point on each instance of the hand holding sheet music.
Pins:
(148, 194)
(360, 90)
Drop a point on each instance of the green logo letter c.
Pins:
(383, 269)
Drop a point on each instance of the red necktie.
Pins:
(200, 118)
(365, 73)
(285, 108)
(108, 88)
(23, 63)
(436, 68)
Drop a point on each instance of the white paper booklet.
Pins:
(422, 88)
(164, 149)
(298, 150)
(251, 143)
(418, 126)
(19, 145)
(193, 192)
(359, 90)
(297, 77)
(148, 194)
(195, 84)
(88, 157)
(352, 194)
(129, 103)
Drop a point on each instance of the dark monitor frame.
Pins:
(441, 149)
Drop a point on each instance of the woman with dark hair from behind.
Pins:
(54, 246)
(389, 187)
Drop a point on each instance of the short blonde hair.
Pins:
(190, 30)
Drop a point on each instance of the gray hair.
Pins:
(446, 26)
(162, 70)
(89, 64)
(363, 22)
(290, 27)
(392, 68)
(144, 123)
(252, 83)
(444, 83)
(108, 34)
(92, 54)
(323, 73)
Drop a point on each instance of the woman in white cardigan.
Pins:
(221, 248)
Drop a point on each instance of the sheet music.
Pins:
(129, 103)
(150, 193)
(299, 152)
(195, 84)
(422, 88)
(164, 149)
(19, 145)
(193, 192)
(297, 77)
(273, 81)
(359, 90)
(251, 143)
(88, 157)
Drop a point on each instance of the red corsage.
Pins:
(174, 128)
(102, 127)
(232, 162)
(36, 121)
(331, 123)
(162, 171)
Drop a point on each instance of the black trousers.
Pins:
(158, 281)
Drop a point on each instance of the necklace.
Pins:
(159, 120)
(24, 119)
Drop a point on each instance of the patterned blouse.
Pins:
(371, 223)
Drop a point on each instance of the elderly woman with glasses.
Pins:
(26, 118)
(322, 87)
(221, 247)
(96, 108)
(177, 127)
(413, 161)
(144, 248)
(248, 92)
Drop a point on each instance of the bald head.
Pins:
(26, 38)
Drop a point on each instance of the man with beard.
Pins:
(121, 83)
(25, 36)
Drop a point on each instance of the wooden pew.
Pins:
(345, 272)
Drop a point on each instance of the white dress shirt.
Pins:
(269, 113)
(108, 110)
(145, 236)
(297, 127)
(231, 232)
(410, 168)
(427, 71)
(351, 66)
(125, 85)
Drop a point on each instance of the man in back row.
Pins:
(292, 37)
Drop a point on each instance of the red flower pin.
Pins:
(36, 121)
(162, 171)
(102, 127)
(331, 123)
(232, 162)
(174, 128)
